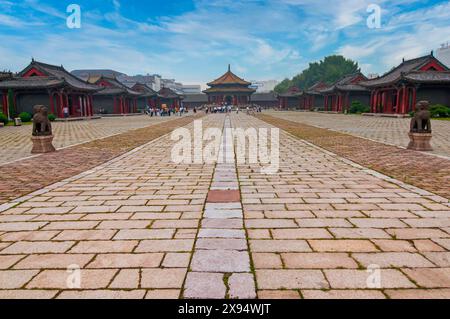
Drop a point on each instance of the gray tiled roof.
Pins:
(32, 82)
(428, 77)
(196, 98)
(400, 71)
(60, 73)
(264, 97)
(346, 84)
(117, 87)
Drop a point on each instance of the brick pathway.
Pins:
(384, 130)
(140, 227)
(28, 175)
(316, 227)
(419, 169)
(15, 142)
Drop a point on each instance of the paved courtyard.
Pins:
(141, 226)
(385, 130)
(15, 142)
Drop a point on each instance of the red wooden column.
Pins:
(325, 102)
(61, 105)
(374, 101)
(405, 99)
(135, 106)
(397, 102)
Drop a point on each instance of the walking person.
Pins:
(66, 112)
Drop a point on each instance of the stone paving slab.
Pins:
(428, 172)
(29, 175)
(15, 142)
(140, 226)
(392, 131)
(128, 225)
(323, 227)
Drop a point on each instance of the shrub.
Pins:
(357, 108)
(25, 117)
(52, 117)
(439, 110)
(3, 118)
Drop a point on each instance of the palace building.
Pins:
(148, 96)
(115, 97)
(290, 99)
(398, 91)
(169, 98)
(51, 86)
(340, 96)
(311, 98)
(229, 89)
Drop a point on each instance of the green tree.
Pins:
(283, 86)
(329, 70)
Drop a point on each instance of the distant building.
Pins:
(173, 85)
(264, 86)
(115, 98)
(195, 100)
(49, 85)
(443, 54)
(229, 89)
(192, 89)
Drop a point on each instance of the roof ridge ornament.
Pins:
(229, 67)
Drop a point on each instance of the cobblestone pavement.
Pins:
(385, 130)
(141, 226)
(419, 169)
(15, 142)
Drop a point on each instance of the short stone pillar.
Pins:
(420, 130)
(42, 131)
(42, 144)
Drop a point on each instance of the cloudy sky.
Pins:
(194, 40)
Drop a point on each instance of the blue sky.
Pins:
(194, 40)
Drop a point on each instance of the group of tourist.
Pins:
(214, 109)
(165, 111)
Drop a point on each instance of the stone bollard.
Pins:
(420, 131)
(42, 131)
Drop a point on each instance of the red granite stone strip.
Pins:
(224, 196)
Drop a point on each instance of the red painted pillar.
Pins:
(61, 105)
(414, 99)
(405, 99)
(374, 102)
(52, 107)
(389, 101)
(371, 102)
(92, 104)
(397, 103)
